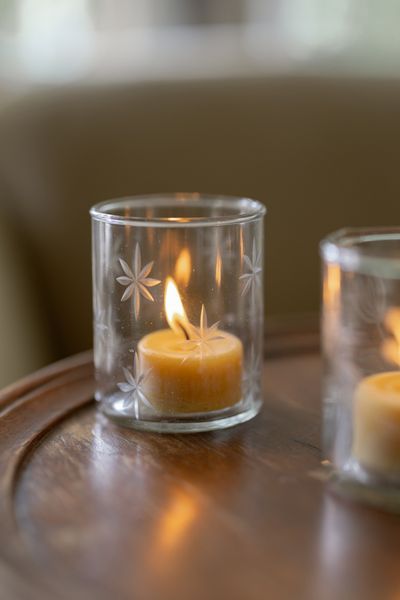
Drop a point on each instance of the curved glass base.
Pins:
(190, 424)
(357, 484)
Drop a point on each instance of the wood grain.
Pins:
(91, 510)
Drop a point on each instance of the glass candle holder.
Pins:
(178, 310)
(361, 347)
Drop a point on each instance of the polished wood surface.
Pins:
(91, 510)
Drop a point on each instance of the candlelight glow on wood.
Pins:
(176, 520)
(191, 368)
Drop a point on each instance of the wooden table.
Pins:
(90, 510)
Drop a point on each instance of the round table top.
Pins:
(89, 509)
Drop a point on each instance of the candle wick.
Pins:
(185, 332)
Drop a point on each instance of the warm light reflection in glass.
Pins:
(241, 246)
(218, 269)
(176, 521)
(174, 310)
(332, 284)
(391, 346)
(178, 219)
(183, 267)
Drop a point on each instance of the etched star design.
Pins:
(133, 386)
(251, 280)
(202, 336)
(137, 281)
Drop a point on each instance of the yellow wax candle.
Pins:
(182, 379)
(377, 423)
(190, 369)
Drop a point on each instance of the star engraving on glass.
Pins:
(137, 280)
(133, 386)
(200, 337)
(251, 281)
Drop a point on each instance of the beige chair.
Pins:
(24, 339)
(321, 153)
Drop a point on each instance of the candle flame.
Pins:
(183, 267)
(391, 346)
(174, 310)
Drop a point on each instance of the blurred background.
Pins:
(293, 102)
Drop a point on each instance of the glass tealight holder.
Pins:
(361, 347)
(178, 310)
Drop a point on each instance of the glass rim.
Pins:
(340, 247)
(247, 209)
